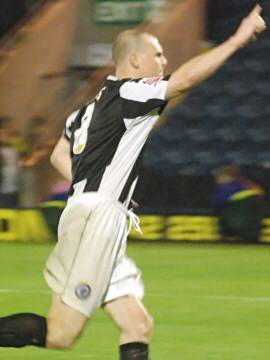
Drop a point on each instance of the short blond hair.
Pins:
(126, 42)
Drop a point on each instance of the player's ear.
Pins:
(134, 60)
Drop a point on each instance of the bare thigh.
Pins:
(65, 324)
(131, 317)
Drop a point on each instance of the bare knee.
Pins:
(146, 327)
(61, 338)
(64, 325)
(132, 318)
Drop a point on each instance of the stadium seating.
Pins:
(225, 120)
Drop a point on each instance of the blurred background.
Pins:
(204, 191)
(206, 171)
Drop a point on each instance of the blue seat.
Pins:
(240, 157)
(231, 133)
(194, 168)
(258, 134)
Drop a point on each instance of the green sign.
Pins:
(125, 11)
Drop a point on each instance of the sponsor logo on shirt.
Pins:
(152, 81)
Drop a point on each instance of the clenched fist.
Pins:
(252, 25)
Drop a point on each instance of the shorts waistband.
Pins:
(95, 198)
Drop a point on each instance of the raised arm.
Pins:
(60, 158)
(203, 66)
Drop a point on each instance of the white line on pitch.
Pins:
(23, 291)
(59, 356)
(208, 297)
(85, 356)
(216, 297)
(241, 298)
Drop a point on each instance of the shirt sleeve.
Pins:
(141, 96)
(69, 123)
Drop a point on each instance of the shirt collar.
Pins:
(112, 77)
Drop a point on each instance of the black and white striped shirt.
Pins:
(107, 136)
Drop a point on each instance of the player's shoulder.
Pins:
(144, 83)
(136, 81)
(75, 117)
(78, 113)
(152, 80)
(71, 117)
(143, 89)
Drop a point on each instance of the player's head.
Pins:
(138, 54)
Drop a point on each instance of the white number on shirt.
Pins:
(81, 134)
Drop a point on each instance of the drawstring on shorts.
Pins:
(134, 221)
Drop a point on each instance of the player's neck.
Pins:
(126, 74)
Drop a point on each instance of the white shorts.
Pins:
(88, 266)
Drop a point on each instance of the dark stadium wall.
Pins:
(30, 72)
(183, 31)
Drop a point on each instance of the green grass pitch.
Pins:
(209, 301)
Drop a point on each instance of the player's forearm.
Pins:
(62, 164)
(202, 67)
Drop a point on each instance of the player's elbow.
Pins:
(54, 158)
(60, 152)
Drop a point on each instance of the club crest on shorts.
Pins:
(83, 291)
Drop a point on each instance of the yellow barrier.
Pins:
(23, 225)
(30, 225)
(185, 228)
